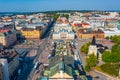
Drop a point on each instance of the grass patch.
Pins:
(98, 68)
(108, 68)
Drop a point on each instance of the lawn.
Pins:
(109, 68)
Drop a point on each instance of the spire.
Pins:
(93, 41)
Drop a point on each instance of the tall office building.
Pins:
(4, 74)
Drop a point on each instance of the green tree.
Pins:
(55, 16)
(91, 60)
(85, 48)
(115, 48)
(107, 38)
(65, 15)
(106, 57)
(115, 39)
(114, 55)
(111, 57)
(87, 68)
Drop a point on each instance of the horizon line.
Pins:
(55, 11)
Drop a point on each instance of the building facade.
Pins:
(63, 31)
(1, 72)
(111, 32)
(33, 31)
(61, 67)
(10, 63)
(88, 34)
(4, 74)
(63, 34)
(29, 33)
(7, 37)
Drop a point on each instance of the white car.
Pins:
(37, 64)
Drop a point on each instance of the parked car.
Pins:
(37, 64)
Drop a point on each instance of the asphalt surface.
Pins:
(45, 39)
(28, 72)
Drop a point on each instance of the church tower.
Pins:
(93, 47)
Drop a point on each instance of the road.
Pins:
(41, 48)
(78, 46)
(24, 75)
(101, 76)
(28, 73)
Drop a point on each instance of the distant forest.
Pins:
(52, 12)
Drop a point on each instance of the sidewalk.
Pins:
(109, 77)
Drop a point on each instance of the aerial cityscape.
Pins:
(59, 41)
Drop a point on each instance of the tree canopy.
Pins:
(115, 39)
(65, 15)
(55, 16)
(111, 57)
(91, 60)
(85, 48)
(114, 55)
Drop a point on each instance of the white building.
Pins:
(96, 23)
(63, 31)
(114, 14)
(92, 50)
(10, 63)
(5, 69)
(111, 32)
(93, 47)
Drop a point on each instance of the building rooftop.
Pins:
(35, 25)
(31, 29)
(6, 28)
(8, 54)
(113, 30)
(85, 23)
(61, 66)
(77, 24)
(6, 33)
(90, 31)
(67, 60)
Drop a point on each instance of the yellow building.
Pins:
(31, 33)
(88, 34)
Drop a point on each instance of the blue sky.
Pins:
(47, 5)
